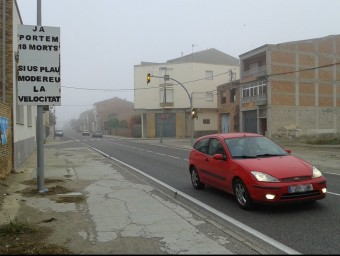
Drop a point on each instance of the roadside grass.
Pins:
(20, 237)
(24, 238)
(17, 228)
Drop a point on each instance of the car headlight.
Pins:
(316, 172)
(260, 176)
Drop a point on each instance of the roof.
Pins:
(267, 46)
(115, 99)
(209, 56)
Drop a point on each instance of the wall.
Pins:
(24, 133)
(6, 157)
(192, 77)
(305, 102)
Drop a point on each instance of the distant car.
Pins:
(254, 169)
(58, 133)
(86, 133)
(97, 134)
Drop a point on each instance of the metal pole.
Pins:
(191, 125)
(4, 5)
(40, 130)
(55, 122)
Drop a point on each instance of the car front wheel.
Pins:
(242, 195)
(195, 179)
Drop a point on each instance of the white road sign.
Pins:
(39, 65)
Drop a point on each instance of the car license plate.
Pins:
(300, 188)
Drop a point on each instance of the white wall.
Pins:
(21, 132)
(190, 75)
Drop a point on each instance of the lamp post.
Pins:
(166, 78)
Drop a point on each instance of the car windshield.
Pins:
(254, 147)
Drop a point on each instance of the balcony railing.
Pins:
(257, 99)
(255, 71)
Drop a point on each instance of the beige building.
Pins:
(165, 104)
(291, 89)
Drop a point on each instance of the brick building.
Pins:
(291, 89)
(18, 136)
(228, 107)
(120, 109)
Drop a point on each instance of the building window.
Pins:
(165, 71)
(224, 97)
(169, 95)
(209, 75)
(209, 96)
(29, 116)
(254, 89)
(233, 95)
(232, 76)
(20, 114)
(206, 121)
(245, 91)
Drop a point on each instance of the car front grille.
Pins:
(312, 193)
(299, 178)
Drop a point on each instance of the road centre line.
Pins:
(332, 193)
(146, 150)
(333, 173)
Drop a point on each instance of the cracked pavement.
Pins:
(121, 212)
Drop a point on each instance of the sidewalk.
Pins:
(95, 206)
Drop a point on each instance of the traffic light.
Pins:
(148, 78)
(194, 113)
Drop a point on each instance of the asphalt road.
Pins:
(307, 229)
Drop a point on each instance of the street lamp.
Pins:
(166, 78)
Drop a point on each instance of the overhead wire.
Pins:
(200, 79)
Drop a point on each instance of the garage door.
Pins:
(169, 125)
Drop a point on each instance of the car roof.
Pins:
(231, 135)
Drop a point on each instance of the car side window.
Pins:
(216, 147)
(202, 146)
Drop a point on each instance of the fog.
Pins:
(102, 40)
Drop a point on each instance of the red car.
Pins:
(254, 169)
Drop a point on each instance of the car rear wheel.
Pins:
(242, 195)
(195, 179)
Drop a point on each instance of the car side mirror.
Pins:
(219, 157)
(288, 150)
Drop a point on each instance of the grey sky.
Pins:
(102, 40)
